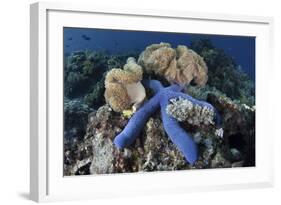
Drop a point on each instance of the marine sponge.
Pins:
(123, 87)
(180, 65)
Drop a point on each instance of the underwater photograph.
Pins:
(143, 101)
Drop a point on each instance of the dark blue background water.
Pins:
(240, 48)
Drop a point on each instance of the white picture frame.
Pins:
(46, 179)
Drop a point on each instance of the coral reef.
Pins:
(84, 76)
(224, 74)
(154, 151)
(75, 118)
(176, 124)
(238, 121)
(239, 126)
(123, 87)
(81, 69)
(178, 135)
(95, 97)
(181, 65)
(118, 60)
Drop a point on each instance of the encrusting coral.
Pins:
(184, 110)
(178, 135)
(123, 87)
(181, 65)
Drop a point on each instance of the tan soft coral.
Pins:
(123, 87)
(180, 65)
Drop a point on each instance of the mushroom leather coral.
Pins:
(180, 65)
(123, 87)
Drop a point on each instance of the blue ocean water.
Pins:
(240, 48)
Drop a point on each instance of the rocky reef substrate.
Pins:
(153, 151)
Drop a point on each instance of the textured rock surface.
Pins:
(238, 122)
(75, 118)
(181, 65)
(153, 151)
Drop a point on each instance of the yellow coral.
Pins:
(127, 113)
(180, 65)
(123, 87)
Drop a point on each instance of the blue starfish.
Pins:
(178, 135)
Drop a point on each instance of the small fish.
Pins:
(67, 46)
(87, 38)
(69, 39)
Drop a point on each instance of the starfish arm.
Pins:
(136, 123)
(155, 85)
(178, 135)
